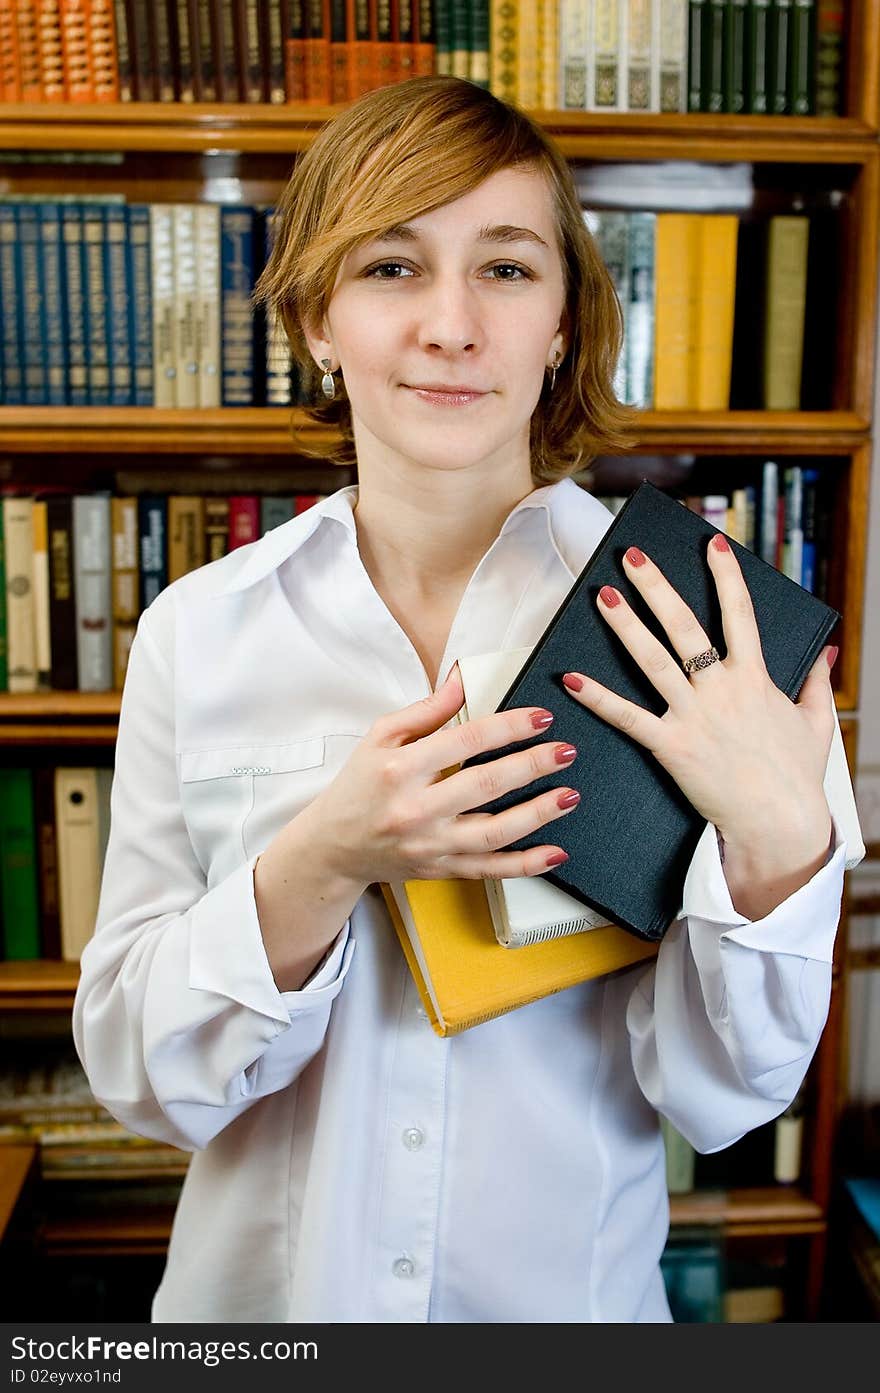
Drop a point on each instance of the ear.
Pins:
(320, 346)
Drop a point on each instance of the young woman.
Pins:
(285, 721)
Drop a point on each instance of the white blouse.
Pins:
(349, 1165)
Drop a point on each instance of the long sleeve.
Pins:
(724, 1024)
(177, 1018)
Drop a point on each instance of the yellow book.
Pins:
(715, 297)
(528, 55)
(465, 977)
(503, 28)
(785, 305)
(677, 252)
(42, 638)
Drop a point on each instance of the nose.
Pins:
(450, 317)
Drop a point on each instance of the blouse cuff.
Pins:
(805, 924)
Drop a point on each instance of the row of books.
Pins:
(54, 825)
(77, 569)
(709, 1283)
(761, 56)
(104, 303)
(696, 299)
(785, 518)
(768, 1155)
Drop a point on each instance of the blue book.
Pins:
(75, 304)
(95, 305)
(809, 558)
(33, 306)
(10, 307)
(152, 545)
(118, 304)
(52, 273)
(238, 258)
(141, 303)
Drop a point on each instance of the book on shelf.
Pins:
(784, 311)
(632, 813)
(19, 893)
(79, 819)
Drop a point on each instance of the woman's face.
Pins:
(468, 297)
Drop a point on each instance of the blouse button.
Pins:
(413, 1138)
(403, 1267)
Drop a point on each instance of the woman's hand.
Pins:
(389, 815)
(749, 759)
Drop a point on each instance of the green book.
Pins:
(734, 55)
(779, 57)
(757, 51)
(696, 12)
(802, 64)
(18, 867)
(713, 56)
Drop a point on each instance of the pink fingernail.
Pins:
(720, 542)
(542, 719)
(572, 681)
(558, 858)
(831, 655)
(609, 597)
(565, 754)
(569, 799)
(636, 557)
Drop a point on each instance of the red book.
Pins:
(244, 519)
(424, 42)
(303, 501)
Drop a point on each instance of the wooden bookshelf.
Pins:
(178, 152)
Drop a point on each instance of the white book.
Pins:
(21, 630)
(769, 495)
(640, 311)
(641, 74)
(185, 298)
(164, 324)
(574, 16)
(208, 303)
(92, 591)
(525, 909)
(608, 47)
(670, 54)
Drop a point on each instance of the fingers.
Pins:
(471, 788)
(451, 747)
(741, 634)
(506, 865)
(487, 832)
(422, 717)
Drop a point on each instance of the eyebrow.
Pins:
(500, 232)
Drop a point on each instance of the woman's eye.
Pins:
(378, 272)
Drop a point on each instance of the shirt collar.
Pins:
(559, 505)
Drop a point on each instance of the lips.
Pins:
(449, 389)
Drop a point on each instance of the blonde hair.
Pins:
(401, 151)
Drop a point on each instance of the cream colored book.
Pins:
(525, 909)
(78, 830)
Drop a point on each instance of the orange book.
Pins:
(30, 73)
(360, 50)
(10, 75)
(51, 57)
(78, 83)
(341, 36)
(380, 34)
(295, 52)
(424, 40)
(401, 39)
(317, 52)
(102, 48)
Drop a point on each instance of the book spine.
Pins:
(734, 50)
(276, 29)
(216, 527)
(4, 647)
(95, 303)
(153, 546)
(205, 54)
(125, 67)
(784, 315)
(713, 56)
(19, 892)
(402, 23)
(223, 17)
(275, 511)
(757, 52)
(91, 588)
(295, 50)
(78, 869)
(124, 582)
(164, 53)
(715, 306)
(47, 862)
(182, 44)
(244, 520)
(33, 318)
(425, 38)
(207, 321)
(141, 309)
(677, 248)
(142, 28)
(696, 16)
(769, 508)
(119, 329)
(640, 317)
(504, 28)
(340, 75)
(78, 84)
(802, 65)
(809, 569)
(75, 304)
(48, 21)
(186, 534)
(829, 57)
(185, 295)
(163, 304)
(52, 281)
(606, 93)
(237, 249)
(62, 608)
(793, 535)
(103, 51)
(42, 644)
(18, 531)
(639, 95)
(10, 68)
(779, 36)
(254, 90)
(11, 318)
(30, 68)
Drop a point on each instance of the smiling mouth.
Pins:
(447, 397)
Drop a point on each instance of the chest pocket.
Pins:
(237, 798)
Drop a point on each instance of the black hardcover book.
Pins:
(632, 837)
